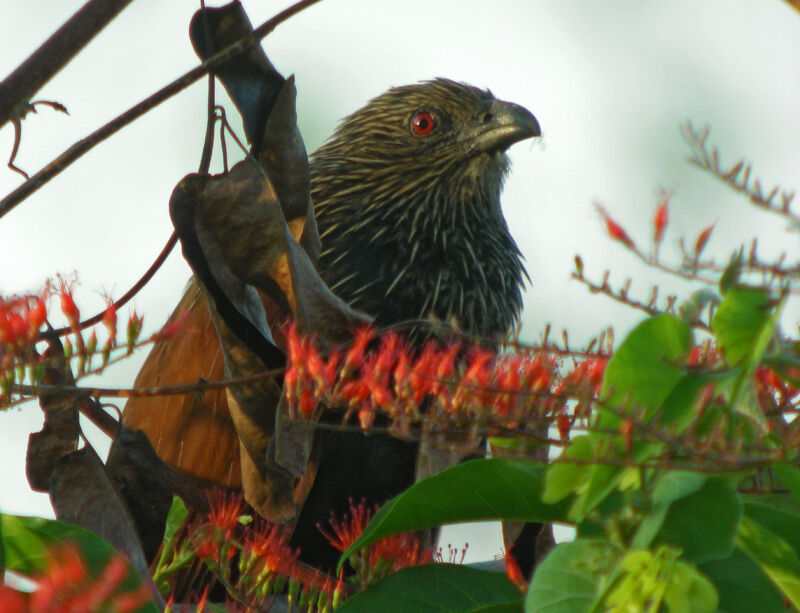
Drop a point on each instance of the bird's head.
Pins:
(432, 131)
(409, 187)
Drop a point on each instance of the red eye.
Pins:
(422, 124)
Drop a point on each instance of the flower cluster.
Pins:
(21, 319)
(66, 586)
(452, 381)
(380, 558)
(253, 560)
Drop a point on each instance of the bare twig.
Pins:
(81, 147)
(18, 88)
(738, 176)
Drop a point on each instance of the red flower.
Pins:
(660, 221)
(615, 230)
(226, 508)
(514, 573)
(68, 306)
(702, 239)
(344, 532)
(564, 425)
(110, 321)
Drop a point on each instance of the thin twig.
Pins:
(20, 86)
(81, 147)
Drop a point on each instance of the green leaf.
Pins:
(27, 539)
(741, 585)
(777, 521)
(789, 475)
(739, 321)
(680, 407)
(704, 523)
(671, 486)
(773, 555)
(730, 276)
(436, 588)
(565, 478)
(643, 370)
(495, 488)
(642, 374)
(568, 579)
(175, 518)
(2, 552)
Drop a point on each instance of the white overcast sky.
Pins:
(610, 82)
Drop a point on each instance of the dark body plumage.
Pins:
(411, 226)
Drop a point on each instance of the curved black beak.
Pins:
(504, 124)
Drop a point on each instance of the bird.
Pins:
(406, 195)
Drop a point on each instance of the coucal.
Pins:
(406, 195)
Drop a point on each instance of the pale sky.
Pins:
(611, 83)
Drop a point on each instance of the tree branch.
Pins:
(82, 146)
(43, 64)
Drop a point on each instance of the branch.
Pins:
(738, 176)
(78, 149)
(43, 64)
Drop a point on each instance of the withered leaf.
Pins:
(250, 79)
(82, 493)
(59, 435)
(138, 474)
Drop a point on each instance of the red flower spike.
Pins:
(110, 320)
(514, 573)
(68, 307)
(344, 532)
(206, 546)
(615, 230)
(355, 354)
(37, 314)
(626, 430)
(332, 365)
(564, 425)
(226, 508)
(702, 239)
(307, 402)
(315, 365)
(366, 417)
(660, 221)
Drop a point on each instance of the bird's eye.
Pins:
(422, 124)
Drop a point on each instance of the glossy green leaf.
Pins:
(438, 588)
(27, 539)
(644, 369)
(775, 557)
(567, 580)
(789, 475)
(739, 321)
(642, 373)
(565, 478)
(175, 518)
(744, 325)
(680, 407)
(704, 523)
(671, 486)
(495, 488)
(742, 586)
(2, 552)
(777, 521)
